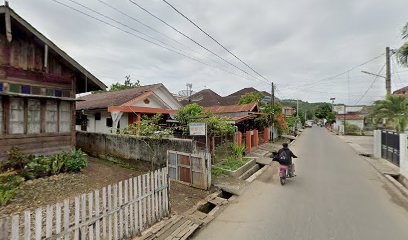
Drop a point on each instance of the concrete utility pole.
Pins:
(273, 111)
(297, 108)
(388, 70)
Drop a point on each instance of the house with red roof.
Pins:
(106, 111)
(351, 114)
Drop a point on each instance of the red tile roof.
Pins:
(350, 116)
(115, 98)
(232, 109)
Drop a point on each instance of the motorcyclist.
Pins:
(284, 156)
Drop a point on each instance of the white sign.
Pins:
(197, 129)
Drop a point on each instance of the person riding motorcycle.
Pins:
(284, 156)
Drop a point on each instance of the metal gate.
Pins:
(390, 147)
(192, 169)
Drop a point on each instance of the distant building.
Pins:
(352, 114)
(102, 112)
(402, 92)
(38, 83)
(288, 111)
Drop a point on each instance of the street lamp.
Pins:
(374, 74)
(332, 99)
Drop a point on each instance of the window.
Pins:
(26, 89)
(1, 117)
(51, 116)
(1, 87)
(98, 116)
(16, 125)
(15, 88)
(50, 92)
(109, 122)
(34, 116)
(65, 117)
(58, 93)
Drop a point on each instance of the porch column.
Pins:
(377, 144)
(248, 141)
(266, 135)
(256, 138)
(115, 120)
(239, 138)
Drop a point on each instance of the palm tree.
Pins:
(402, 52)
(394, 109)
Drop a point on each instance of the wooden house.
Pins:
(38, 83)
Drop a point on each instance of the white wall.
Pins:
(357, 122)
(100, 125)
(404, 155)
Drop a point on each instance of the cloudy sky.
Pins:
(299, 45)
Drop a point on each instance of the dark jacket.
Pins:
(288, 153)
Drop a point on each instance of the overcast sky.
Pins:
(296, 44)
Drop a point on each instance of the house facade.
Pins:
(38, 83)
(351, 114)
(288, 111)
(104, 112)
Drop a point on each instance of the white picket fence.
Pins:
(116, 212)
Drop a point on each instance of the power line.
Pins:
(208, 35)
(191, 39)
(371, 85)
(149, 27)
(147, 40)
(340, 74)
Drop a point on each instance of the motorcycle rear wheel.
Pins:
(282, 180)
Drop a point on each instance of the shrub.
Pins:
(16, 160)
(238, 150)
(38, 167)
(75, 161)
(352, 129)
(8, 187)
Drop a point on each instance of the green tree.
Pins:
(402, 52)
(251, 97)
(127, 85)
(331, 117)
(323, 110)
(394, 109)
(185, 114)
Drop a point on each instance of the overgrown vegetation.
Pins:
(352, 129)
(119, 86)
(20, 167)
(394, 109)
(148, 126)
(232, 163)
(402, 52)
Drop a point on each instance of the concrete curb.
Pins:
(397, 184)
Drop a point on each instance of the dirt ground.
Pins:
(183, 197)
(98, 174)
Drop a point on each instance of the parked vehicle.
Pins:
(286, 172)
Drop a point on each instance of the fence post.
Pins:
(248, 141)
(256, 138)
(377, 143)
(266, 135)
(403, 154)
(239, 138)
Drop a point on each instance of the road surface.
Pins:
(336, 195)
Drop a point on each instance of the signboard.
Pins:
(197, 129)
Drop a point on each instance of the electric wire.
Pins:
(147, 40)
(371, 85)
(194, 41)
(208, 35)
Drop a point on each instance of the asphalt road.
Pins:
(336, 195)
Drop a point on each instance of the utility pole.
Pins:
(273, 110)
(297, 108)
(388, 70)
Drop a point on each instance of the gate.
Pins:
(192, 169)
(390, 147)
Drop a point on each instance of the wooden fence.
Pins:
(116, 212)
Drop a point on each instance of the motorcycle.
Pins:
(286, 172)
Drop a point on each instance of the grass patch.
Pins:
(232, 164)
(217, 171)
